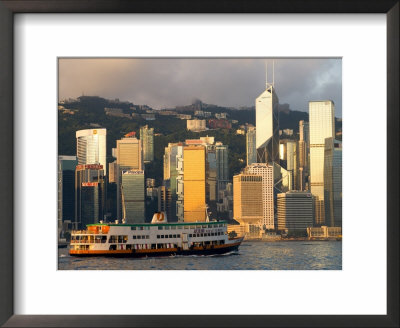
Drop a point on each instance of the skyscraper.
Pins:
(289, 160)
(251, 150)
(222, 152)
(333, 182)
(66, 187)
(129, 154)
(194, 177)
(266, 172)
(91, 147)
(147, 138)
(89, 194)
(303, 151)
(322, 126)
(295, 210)
(133, 198)
(248, 199)
(267, 126)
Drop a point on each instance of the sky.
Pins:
(231, 82)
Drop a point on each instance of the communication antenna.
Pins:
(273, 73)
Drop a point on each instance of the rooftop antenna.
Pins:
(273, 73)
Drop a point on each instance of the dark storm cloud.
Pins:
(162, 83)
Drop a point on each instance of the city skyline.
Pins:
(229, 82)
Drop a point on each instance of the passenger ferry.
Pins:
(158, 238)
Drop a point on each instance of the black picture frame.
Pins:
(10, 7)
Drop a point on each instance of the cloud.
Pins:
(234, 82)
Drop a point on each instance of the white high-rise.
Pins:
(266, 172)
(267, 126)
(322, 126)
(91, 147)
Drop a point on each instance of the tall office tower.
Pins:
(147, 138)
(66, 188)
(266, 172)
(112, 172)
(333, 182)
(303, 151)
(171, 175)
(251, 150)
(164, 200)
(194, 179)
(248, 199)
(89, 194)
(295, 210)
(133, 199)
(267, 125)
(289, 159)
(91, 147)
(129, 153)
(322, 126)
(222, 152)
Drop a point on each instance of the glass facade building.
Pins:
(91, 147)
(66, 187)
(133, 196)
(251, 150)
(222, 166)
(322, 126)
(333, 182)
(89, 194)
(147, 138)
(267, 126)
(194, 183)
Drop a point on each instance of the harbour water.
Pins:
(281, 255)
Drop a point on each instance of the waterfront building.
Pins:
(248, 199)
(288, 155)
(129, 153)
(324, 232)
(333, 182)
(66, 187)
(196, 125)
(91, 147)
(251, 150)
(322, 126)
(267, 123)
(194, 180)
(295, 210)
(89, 194)
(222, 166)
(132, 196)
(147, 138)
(265, 170)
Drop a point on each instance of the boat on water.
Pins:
(158, 238)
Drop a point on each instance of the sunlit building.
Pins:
(194, 179)
(322, 126)
(303, 155)
(266, 172)
(222, 166)
(333, 182)
(133, 196)
(251, 150)
(147, 138)
(295, 210)
(129, 153)
(267, 126)
(196, 125)
(248, 199)
(91, 147)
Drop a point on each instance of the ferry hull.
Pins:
(158, 252)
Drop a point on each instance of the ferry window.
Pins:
(192, 227)
(162, 236)
(170, 236)
(133, 228)
(160, 227)
(174, 236)
(103, 239)
(179, 227)
(186, 227)
(134, 237)
(190, 235)
(112, 239)
(166, 228)
(140, 228)
(204, 226)
(147, 237)
(158, 236)
(210, 226)
(125, 239)
(139, 237)
(153, 246)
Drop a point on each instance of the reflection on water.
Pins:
(285, 255)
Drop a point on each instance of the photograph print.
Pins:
(199, 163)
